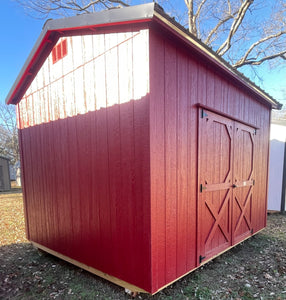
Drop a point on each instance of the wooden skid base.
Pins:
(271, 212)
(132, 288)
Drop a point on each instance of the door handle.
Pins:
(234, 186)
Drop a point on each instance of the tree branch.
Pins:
(222, 21)
(244, 60)
(192, 24)
(193, 16)
(207, 41)
(196, 17)
(234, 27)
(197, 14)
(255, 62)
(44, 8)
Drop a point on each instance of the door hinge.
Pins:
(251, 231)
(253, 182)
(201, 258)
(255, 131)
(203, 114)
(202, 188)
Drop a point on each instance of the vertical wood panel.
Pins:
(183, 84)
(101, 182)
(99, 72)
(210, 88)
(126, 69)
(113, 133)
(192, 165)
(141, 70)
(45, 178)
(202, 85)
(171, 160)
(94, 214)
(74, 187)
(85, 171)
(142, 203)
(111, 69)
(126, 206)
(29, 177)
(58, 192)
(39, 184)
(54, 183)
(157, 161)
(65, 179)
(218, 93)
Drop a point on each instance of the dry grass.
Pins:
(12, 224)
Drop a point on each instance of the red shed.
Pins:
(144, 154)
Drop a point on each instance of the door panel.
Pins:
(225, 181)
(215, 180)
(243, 181)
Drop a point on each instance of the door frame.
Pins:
(200, 114)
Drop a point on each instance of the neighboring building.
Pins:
(12, 171)
(144, 154)
(5, 184)
(277, 166)
(15, 173)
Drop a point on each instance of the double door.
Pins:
(225, 183)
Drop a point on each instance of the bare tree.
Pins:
(45, 8)
(244, 32)
(9, 146)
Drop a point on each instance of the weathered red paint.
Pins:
(118, 188)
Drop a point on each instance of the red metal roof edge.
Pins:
(53, 29)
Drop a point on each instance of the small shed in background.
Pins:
(143, 153)
(15, 173)
(277, 166)
(5, 184)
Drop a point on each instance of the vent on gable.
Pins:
(60, 51)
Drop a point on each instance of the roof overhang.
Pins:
(6, 158)
(87, 23)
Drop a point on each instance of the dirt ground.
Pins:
(255, 269)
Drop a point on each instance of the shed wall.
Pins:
(84, 134)
(5, 184)
(181, 80)
(276, 166)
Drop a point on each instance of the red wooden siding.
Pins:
(86, 78)
(114, 150)
(85, 146)
(178, 84)
(173, 164)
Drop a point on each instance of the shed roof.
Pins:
(87, 23)
(6, 158)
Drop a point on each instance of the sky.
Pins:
(19, 33)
